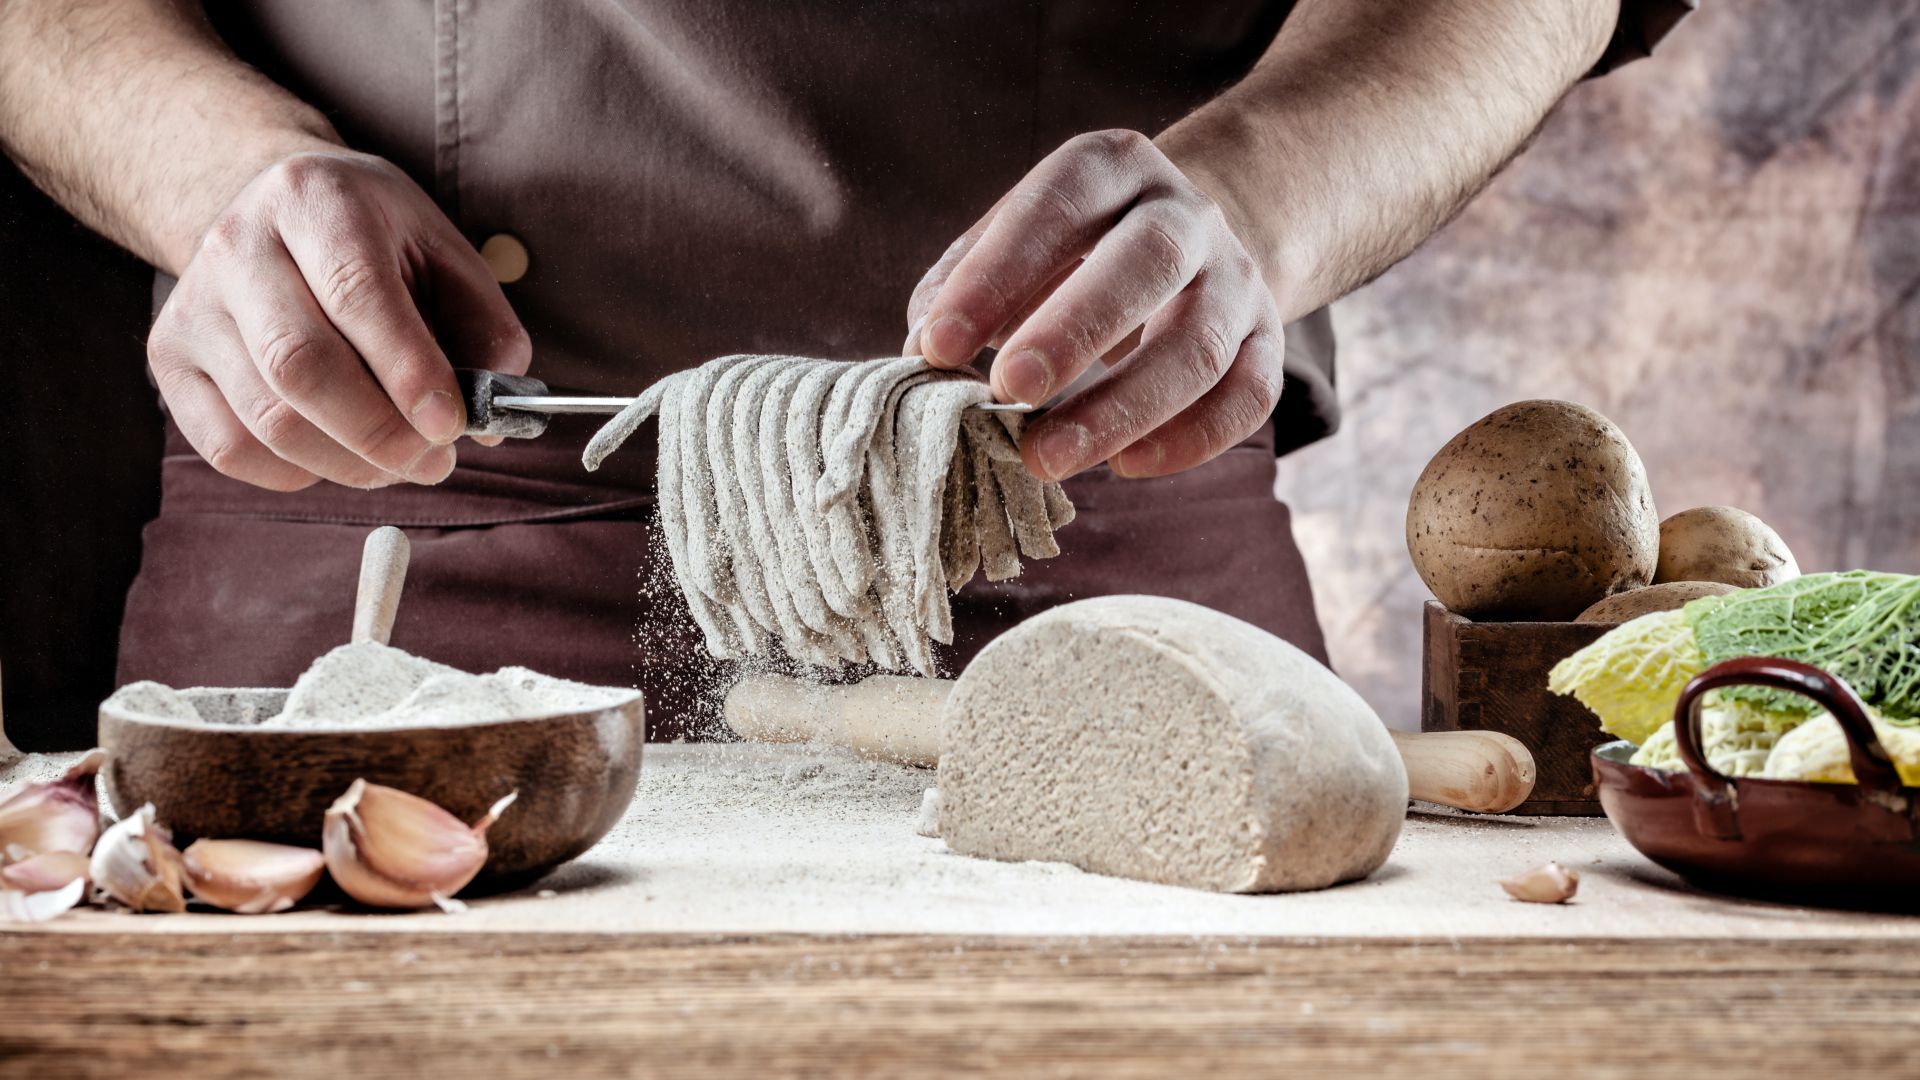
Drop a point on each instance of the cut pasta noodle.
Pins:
(828, 508)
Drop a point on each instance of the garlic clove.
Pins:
(16, 906)
(387, 848)
(60, 815)
(1548, 883)
(136, 863)
(45, 872)
(251, 877)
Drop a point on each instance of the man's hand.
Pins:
(321, 293)
(310, 337)
(1107, 250)
(1363, 128)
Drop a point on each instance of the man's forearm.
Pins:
(1368, 123)
(135, 117)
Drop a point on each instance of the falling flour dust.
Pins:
(373, 685)
(826, 509)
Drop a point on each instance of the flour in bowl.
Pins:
(372, 685)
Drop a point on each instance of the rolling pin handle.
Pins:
(383, 573)
(1488, 772)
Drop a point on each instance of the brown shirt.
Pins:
(698, 178)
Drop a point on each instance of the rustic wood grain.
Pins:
(1492, 676)
(555, 1005)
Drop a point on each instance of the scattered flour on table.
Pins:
(802, 838)
(743, 838)
(18, 768)
(373, 685)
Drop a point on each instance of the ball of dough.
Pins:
(1725, 544)
(1630, 605)
(1536, 511)
(1156, 739)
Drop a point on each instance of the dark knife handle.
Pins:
(478, 387)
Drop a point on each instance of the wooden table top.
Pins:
(732, 926)
(386, 1003)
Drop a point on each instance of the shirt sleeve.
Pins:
(1641, 25)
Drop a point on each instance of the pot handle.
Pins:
(1716, 797)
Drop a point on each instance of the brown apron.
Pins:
(579, 589)
(692, 179)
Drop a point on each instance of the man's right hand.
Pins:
(314, 332)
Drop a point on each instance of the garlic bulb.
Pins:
(386, 848)
(40, 906)
(136, 863)
(1548, 883)
(249, 876)
(61, 815)
(45, 872)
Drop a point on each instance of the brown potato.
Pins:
(1630, 605)
(1536, 511)
(1726, 544)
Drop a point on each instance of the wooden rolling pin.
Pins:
(897, 718)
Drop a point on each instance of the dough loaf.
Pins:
(1152, 738)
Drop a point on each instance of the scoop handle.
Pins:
(383, 573)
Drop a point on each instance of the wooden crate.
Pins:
(1492, 676)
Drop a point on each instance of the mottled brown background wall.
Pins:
(1719, 249)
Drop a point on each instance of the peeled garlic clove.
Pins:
(386, 848)
(1548, 883)
(136, 863)
(61, 815)
(45, 872)
(249, 876)
(16, 906)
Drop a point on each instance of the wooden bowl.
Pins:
(576, 773)
(1843, 844)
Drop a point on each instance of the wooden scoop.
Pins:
(897, 718)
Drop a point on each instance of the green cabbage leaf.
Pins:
(1738, 737)
(1860, 625)
(1631, 675)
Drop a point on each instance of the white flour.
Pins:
(371, 685)
(827, 509)
(744, 838)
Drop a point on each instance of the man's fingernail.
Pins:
(432, 466)
(1028, 376)
(1141, 459)
(439, 417)
(1062, 451)
(949, 341)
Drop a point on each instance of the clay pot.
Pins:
(1841, 844)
